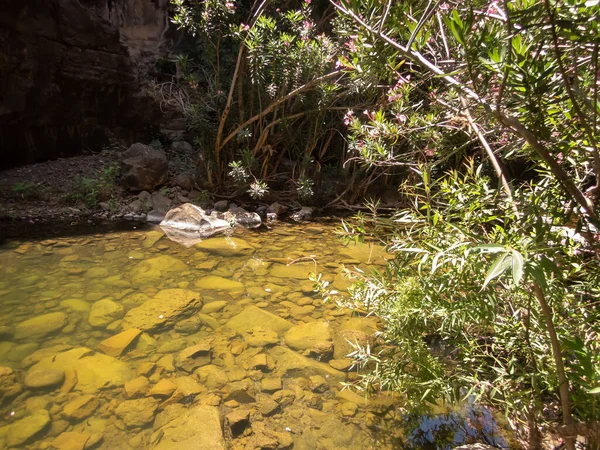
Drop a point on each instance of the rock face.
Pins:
(163, 310)
(68, 74)
(143, 168)
(199, 428)
(189, 224)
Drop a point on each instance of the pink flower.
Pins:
(444, 7)
(244, 27)
(401, 118)
(348, 117)
(230, 6)
(307, 25)
(351, 45)
(307, 2)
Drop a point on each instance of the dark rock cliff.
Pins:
(70, 74)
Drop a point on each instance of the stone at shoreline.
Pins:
(8, 383)
(188, 224)
(213, 282)
(277, 208)
(245, 218)
(41, 379)
(305, 213)
(226, 246)
(312, 337)
(154, 269)
(95, 371)
(116, 345)
(199, 429)
(22, 430)
(245, 321)
(40, 326)
(143, 168)
(137, 413)
(163, 310)
(105, 311)
(81, 407)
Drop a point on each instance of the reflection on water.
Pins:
(129, 340)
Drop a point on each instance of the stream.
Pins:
(124, 339)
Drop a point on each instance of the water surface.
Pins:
(221, 345)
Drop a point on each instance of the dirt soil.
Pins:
(54, 189)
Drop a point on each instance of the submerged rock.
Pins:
(163, 310)
(299, 271)
(41, 379)
(199, 429)
(311, 338)
(154, 269)
(105, 311)
(81, 407)
(290, 363)
(8, 383)
(251, 316)
(76, 440)
(95, 371)
(305, 213)
(116, 345)
(226, 246)
(213, 282)
(22, 430)
(41, 326)
(137, 413)
(196, 356)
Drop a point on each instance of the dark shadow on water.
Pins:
(40, 231)
(471, 424)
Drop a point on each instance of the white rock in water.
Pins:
(188, 224)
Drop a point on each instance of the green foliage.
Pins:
(460, 316)
(92, 191)
(26, 190)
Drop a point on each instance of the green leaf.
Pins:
(517, 267)
(502, 263)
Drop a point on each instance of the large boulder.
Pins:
(143, 168)
(189, 224)
(245, 218)
(163, 310)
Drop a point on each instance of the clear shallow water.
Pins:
(221, 345)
